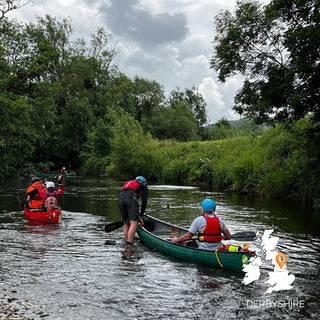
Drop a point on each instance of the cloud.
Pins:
(217, 107)
(169, 41)
(134, 23)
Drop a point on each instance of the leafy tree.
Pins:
(140, 97)
(69, 134)
(223, 123)
(276, 48)
(130, 146)
(221, 130)
(100, 50)
(197, 104)
(95, 153)
(17, 133)
(175, 122)
(149, 95)
(98, 141)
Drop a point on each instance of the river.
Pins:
(75, 270)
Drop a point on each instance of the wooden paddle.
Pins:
(118, 224)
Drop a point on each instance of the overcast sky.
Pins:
(169, 41)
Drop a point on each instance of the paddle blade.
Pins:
(113, 226)
(244, 236)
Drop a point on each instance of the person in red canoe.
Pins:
(51, 196)
(34, 199)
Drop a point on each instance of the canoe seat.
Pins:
(166, 233)
(162, 233)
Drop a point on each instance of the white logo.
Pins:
(279, 279)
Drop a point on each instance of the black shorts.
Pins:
(129, 209)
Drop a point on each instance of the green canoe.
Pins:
(156, 234)
(56, 174)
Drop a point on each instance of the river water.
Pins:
(75, 270)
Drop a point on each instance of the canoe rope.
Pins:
(218, 258)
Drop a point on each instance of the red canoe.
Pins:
(50, 216)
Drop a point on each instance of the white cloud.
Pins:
(216, 101)
(169, 41)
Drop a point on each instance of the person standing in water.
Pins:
(129, 206)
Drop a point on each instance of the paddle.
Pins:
(118, 224)
(244, 236)
(240, 236)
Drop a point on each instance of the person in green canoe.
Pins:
(209, 227)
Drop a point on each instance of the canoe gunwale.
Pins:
(56, 174)
(52, 216)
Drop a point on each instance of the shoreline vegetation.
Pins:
(66, 104)
(281, 162)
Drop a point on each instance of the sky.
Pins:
(169, 41)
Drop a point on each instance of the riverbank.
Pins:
(11, 308)
(280, 163)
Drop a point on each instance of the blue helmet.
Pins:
(208, 205)
(141, 179)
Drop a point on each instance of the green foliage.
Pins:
(174, 122)
(282, 162)
(17, 133)
(224, 130)
(194, 103)
(96, 151)
(130, 147)
(64, 103)
(277, 50)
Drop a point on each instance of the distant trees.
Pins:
(57, 81)
(276, 48)
(59, 98)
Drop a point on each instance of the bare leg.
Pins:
(132, 229)
(126, 227)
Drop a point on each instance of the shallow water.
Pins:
(77, 271)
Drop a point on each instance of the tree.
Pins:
(175, 122)
(149, 95)
(9, 5)
(130, 146)
(99, 48)
(276, 49)
(196, 102)
(17, 133)
(221, 130)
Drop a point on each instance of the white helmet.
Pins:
(50, 184)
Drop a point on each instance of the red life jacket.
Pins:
(212, 232)
(133, 184)
(51, 194)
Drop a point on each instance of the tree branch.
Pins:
(10, 5)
